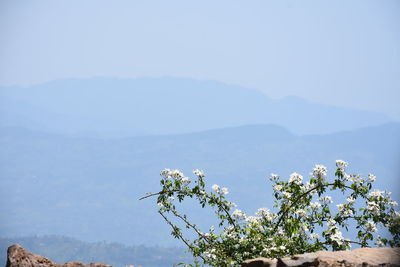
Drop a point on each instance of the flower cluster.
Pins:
(295, 178)
(305, 219)
(219, 190)
(320, 172)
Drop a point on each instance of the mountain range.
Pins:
(109, 107)
(88, 188)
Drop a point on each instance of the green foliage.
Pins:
(305, 220)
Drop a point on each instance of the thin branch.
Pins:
(347, 241)
(179, 235)
(284, 213)
(159, 193)
(150, 195)
(198, 231)
(191, 225)
(229, 216)
(358, 243)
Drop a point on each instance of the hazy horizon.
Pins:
(311, 101)
(339, 53)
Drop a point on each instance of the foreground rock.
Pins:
(359, 257)
(17, 256)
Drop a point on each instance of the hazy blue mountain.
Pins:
(88, 188)
(126, 107)
(61, 249)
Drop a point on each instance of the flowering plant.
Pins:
(305, 221)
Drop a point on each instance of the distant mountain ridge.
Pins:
(88, 188)
(130, 107)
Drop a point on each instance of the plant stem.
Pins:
(159, 193)
(298, 198)
(179, 235)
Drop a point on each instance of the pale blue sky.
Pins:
(344, 53)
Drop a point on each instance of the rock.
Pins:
(17, 256)
(259, 262)
(362, 257)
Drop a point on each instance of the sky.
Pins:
(344, 53)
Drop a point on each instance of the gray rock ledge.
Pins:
(17, 256)
(363, 257)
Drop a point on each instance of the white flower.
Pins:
(215, 188)
(379, 242)
(210, 254)
(252, 219)
(341, 207)
(219, 190)
(232, 204)
(266, 214)
(229, 231)
(266, 251)
(262, 211)
(371, 178)
(344, 210)
(274, 176)
(287, 195)
(350, 199)
(337, 237)
(348, 244)
(314, 236)
(341, 164)
(278, 187)
(166, 173)
(185, 180)
(331, 223)
(326, 199)
(199, 173)
(282, 247)
(393, 203)
(304, 227)
(348, 212)
(353, 178)
(176, 174)
(295, 178)
(301, 212)
(271, 216)
(315, 205)
(280, 231)
(373, 207)
(224, 190)
(376, 193)
(307, 187)
(395, 215)
(229, 228)
(320, 172)
(370, 226)
(238, 214)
